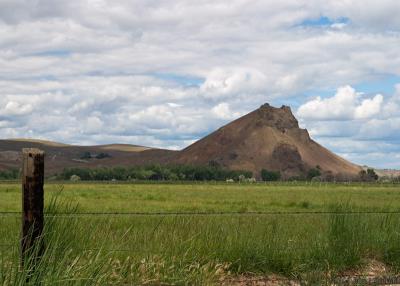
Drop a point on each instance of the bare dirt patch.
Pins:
(372, 273)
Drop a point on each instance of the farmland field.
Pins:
(296, 230)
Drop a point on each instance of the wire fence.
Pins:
(203, 213)
(288, 249)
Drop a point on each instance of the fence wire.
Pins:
(210, 213)
(288, 249)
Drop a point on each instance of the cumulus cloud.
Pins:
(361, 128)
(222, 83)
(16, 108)
(93, 124)
(369, 107)
(344, 105)
(223, 111)
(166, 73)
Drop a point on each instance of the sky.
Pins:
(166, 73)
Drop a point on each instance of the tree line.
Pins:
(212, 172)
(155, 173)
(11, 174)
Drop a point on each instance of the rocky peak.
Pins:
(280, 118)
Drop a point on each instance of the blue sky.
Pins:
(165, 74)
(323, 21)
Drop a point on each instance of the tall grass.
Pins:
(198, 250)
(58, 263)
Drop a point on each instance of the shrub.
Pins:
(368, 175)
(75, 178)
(313, 172)
(270, 175)
(86, 155)
(371, 173)
(103, 156)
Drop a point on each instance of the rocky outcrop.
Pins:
(267, 138)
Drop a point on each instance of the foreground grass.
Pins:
(98, 250)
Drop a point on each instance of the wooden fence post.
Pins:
(32, 202)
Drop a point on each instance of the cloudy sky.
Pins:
(165, 73)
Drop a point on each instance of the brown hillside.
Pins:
(60, 156)
(267, 138)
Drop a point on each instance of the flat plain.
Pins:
(209, 197)
(301, 231)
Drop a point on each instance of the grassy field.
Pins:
(151, 197)
(205, 249)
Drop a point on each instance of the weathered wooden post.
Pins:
(32, 203)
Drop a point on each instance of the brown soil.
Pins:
(372, 273)
(272, 280)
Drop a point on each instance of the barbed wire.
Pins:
(289, 248)
(205, 213)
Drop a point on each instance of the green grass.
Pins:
(98, 250)
(214, 197)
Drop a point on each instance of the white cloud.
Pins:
(363, 130)
(222, 83)
(4, 124)
(368, 14)
(346, 104)
(372, 153)
(15, 108)
(164, 73)
(369, 107)
(223, 111)
(381, 129)
(338, 26)
(94, 125)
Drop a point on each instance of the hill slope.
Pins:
(267, 138)
(60, 156)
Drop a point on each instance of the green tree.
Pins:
(102, 156)
(270, 175)
(86, 155)
(368, 175)
(313, 172)
(371, 173)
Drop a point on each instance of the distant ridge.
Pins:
(266, 138)
(124, 147)
(40, 141)
(60, 156)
